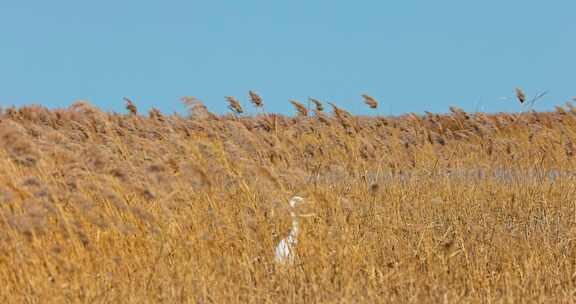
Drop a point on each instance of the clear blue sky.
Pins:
(413, 56)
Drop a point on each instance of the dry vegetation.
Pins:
(107, 208)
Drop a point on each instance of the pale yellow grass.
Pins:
(105, 208)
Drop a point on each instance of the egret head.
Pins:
(295, 201)
(301, 207)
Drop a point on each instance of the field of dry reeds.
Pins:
(102, 207)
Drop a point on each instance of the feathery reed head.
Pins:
(196, 107)
(154, 113)
(255, 99)
(190, 101)
(130, 106)
(370, 101)
(318, 104)
(302, 111)
(234, 105)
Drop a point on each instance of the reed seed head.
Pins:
(370, 101)
(256, 99)
(234, 105)
(302, 110)
(130, 106)
(318, 104)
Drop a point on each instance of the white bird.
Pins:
(286, 248)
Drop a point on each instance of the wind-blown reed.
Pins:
(113, 208)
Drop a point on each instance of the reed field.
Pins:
(100, 207)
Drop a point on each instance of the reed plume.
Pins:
(318, 104)
(196, 107)
(256, 99)
(302, 111)
(155, 114)
(130, 106)
(234, 105)
(344, 117)
(370, 101)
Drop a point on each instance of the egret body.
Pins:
(286, 248)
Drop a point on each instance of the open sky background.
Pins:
(413, 56)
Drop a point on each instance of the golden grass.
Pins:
(106, 208)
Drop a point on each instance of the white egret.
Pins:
(286, 248)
